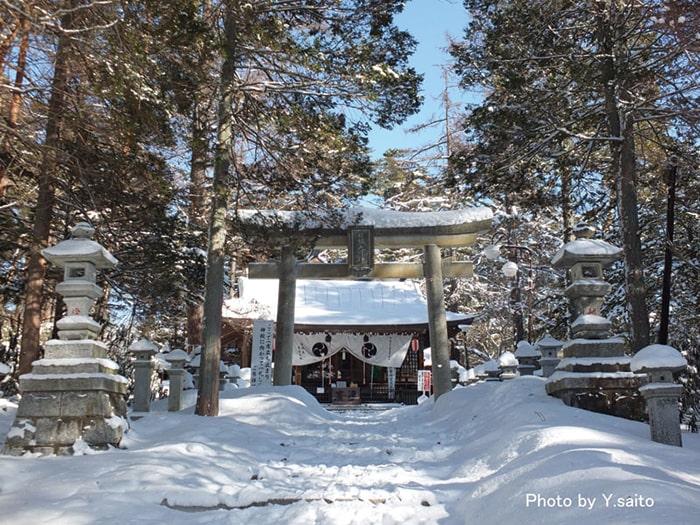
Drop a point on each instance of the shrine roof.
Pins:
(339, 304)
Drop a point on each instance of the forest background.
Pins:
(157, 120)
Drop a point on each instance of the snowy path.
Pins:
(493, 453)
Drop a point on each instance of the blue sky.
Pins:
(430, 22)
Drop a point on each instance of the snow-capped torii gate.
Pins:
(361, 230)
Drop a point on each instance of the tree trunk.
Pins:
(5, 47)
(195, 317)
(629, 226)
(208, 389)
(199, 161)
(195, 310)
(567, 213)
(36, 269)
(15, 102)
(623, 156)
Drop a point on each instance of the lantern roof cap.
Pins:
(80, 248)
(177, 355)
(525, 349)
(143, 345)
(549, 342)
(658, 357)
(584, 249)
(507, 359)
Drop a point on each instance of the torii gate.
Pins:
(361, 230)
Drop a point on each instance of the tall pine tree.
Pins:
(578, 91)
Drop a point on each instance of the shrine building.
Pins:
(364, 339)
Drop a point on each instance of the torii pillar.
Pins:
(284, 340)
(437, 320)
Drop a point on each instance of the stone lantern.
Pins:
(492, 369)
(75, 392)
(143, 351)
(176, 373)
(80, 257)
(584, 259)
(594, 373)
(659, 363)
(508, 365)
(527, 356)
(549, 348)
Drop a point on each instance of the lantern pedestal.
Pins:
(74, 393)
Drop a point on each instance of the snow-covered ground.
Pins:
(492, 453)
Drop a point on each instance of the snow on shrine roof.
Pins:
(341, 303)
(379, 218)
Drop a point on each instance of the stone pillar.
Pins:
(437, 321)
(143, 351)
(176, 373)
(75, 392)
(284, 347)
(659, 363)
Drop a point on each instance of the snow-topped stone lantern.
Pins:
(584, 259)
(508, 365)
(75, 393)
(80, 257)
(176, 374)
(659, 363)
(594, 373)
(527, 356)
(549, 347)
(143, 351)
(492, 369)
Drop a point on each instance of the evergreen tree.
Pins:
(94, 136)
(581, 103)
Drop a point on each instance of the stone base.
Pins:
(68, 398)
(610, 347)
(57, 435)
(612, 393)
(595, 375)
